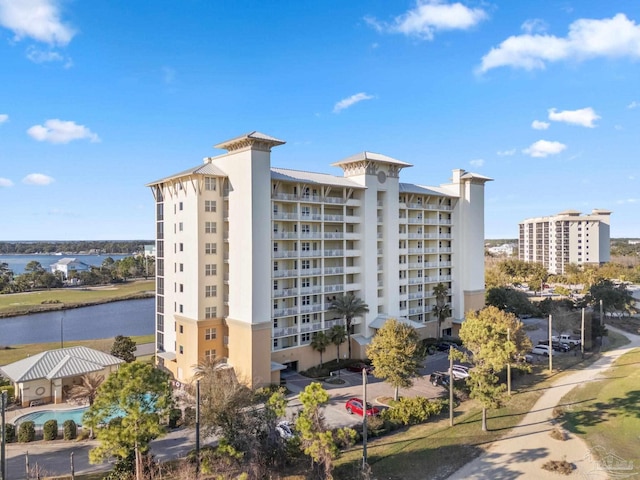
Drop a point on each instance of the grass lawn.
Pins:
(609, 413)
(18, 352)
(30, 302)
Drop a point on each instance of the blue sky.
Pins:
(100, 97)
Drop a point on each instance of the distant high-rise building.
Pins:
(566, 238)
(250, 258)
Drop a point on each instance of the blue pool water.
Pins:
(40, 417)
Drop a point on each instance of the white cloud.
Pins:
(583, 117)
(37, 55)
(534, 25)
(60, 131)
(350, 101)
(544, 148)
(3, 118)
(35, 19)
(538, 125)
(506, 153)
(633, 105)
(5, 182)
(37, 179)
(429, 16)
(628, 200)
(477, 162)
(587, 38)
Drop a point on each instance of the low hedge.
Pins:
(10, 432)
(27, 432)
(411, 411)
(69, 430)
(50, 429)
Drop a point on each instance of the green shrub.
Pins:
(10, 432)
(69, 430)
(50, 429)
(189, 416)
(175, 415)
(27, 432)
(411, 411)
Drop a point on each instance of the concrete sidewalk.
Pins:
(522, 452)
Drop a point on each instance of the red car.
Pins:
(357, 367)
(354, 405)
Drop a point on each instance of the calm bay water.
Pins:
(128, 317)
(18, 262)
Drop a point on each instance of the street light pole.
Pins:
(62, 331)
(364, 419)
(3, 461)
(509, 364)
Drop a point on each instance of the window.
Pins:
(306, 246)
(210, 334)
(181, 267)
(305, 282)
(306, 264)
(210, 291)
(305, 211)
(275, 266)
(275, 209)
(305, 337)
(210, 269)
(275, 285)
(181, 288)
(210, 248)
(210, 355)
(306, 300)
(180, 227)
(209, 183)
(305, 228)
(181, 247)
(181, 328)
(181, 350)
(209, 205)
(275, 246)
(181, 309)
(275, 343)
(305, 318)
(210, 227)
(210, 312)
(180, 206)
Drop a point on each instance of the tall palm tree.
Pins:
(87, 390)
(338, 334)
(348, 307)
(442, 310)
(320, 342)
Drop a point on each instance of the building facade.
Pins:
(249, 257)
(566, 238)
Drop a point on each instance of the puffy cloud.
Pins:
(583, 117)
(478, 162)
(350, 101)
(633, 105)
(506, 153)
(37, 179)
(60, 131)
(534, 25)
(538, 125)
(3, 118)
(36, 19)
(587, 38)
(544, 148)
(5, 182)
(429, 16)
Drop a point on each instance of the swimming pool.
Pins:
(41, 416)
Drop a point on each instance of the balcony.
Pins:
(286, 292)
(286, 254)
(333, 218)
(310, 290)
(311, 308)
(285, 331)
(333, 271)
(285, 273)
(284, 312)
(333, 288)
(284, 235)
(334, 253)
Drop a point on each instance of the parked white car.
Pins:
(542, 350)
(459, 372)
(284, 430)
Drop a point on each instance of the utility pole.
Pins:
(509, 364)
(3, 459)
(364, 419)
(62, 331)
(197, 429)
(582, 334)
(550, 346)
(450, 389)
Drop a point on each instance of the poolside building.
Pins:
(249, 257)
(48, 376)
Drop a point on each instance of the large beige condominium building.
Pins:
(565, 238)
(250, 257)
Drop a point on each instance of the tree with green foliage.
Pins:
(124, 348)
(317, 440)
(338, 334)
(442, 309)
(494, 338)
(509, 300)
(396, 354)
(349, 306)
(87, 389)
(137, 395)
(615, 298)
(319, 342)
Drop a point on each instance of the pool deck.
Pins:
(13, 413)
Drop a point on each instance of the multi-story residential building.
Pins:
(250, 257)
(566, 238)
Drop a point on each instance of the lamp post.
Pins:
(3, 461)
(62, 331)
(364, 419)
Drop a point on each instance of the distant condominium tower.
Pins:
(566, 238)
(250, 257)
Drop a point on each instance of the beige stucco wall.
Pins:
(474, 300)
(250, 351)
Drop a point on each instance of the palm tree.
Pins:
(442, 310)
(349, 306)
(320, 342)
(87, 390)
(338, 335)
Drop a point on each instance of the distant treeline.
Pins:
(75, 246)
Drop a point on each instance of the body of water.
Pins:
(18, 262)
(128, 317)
